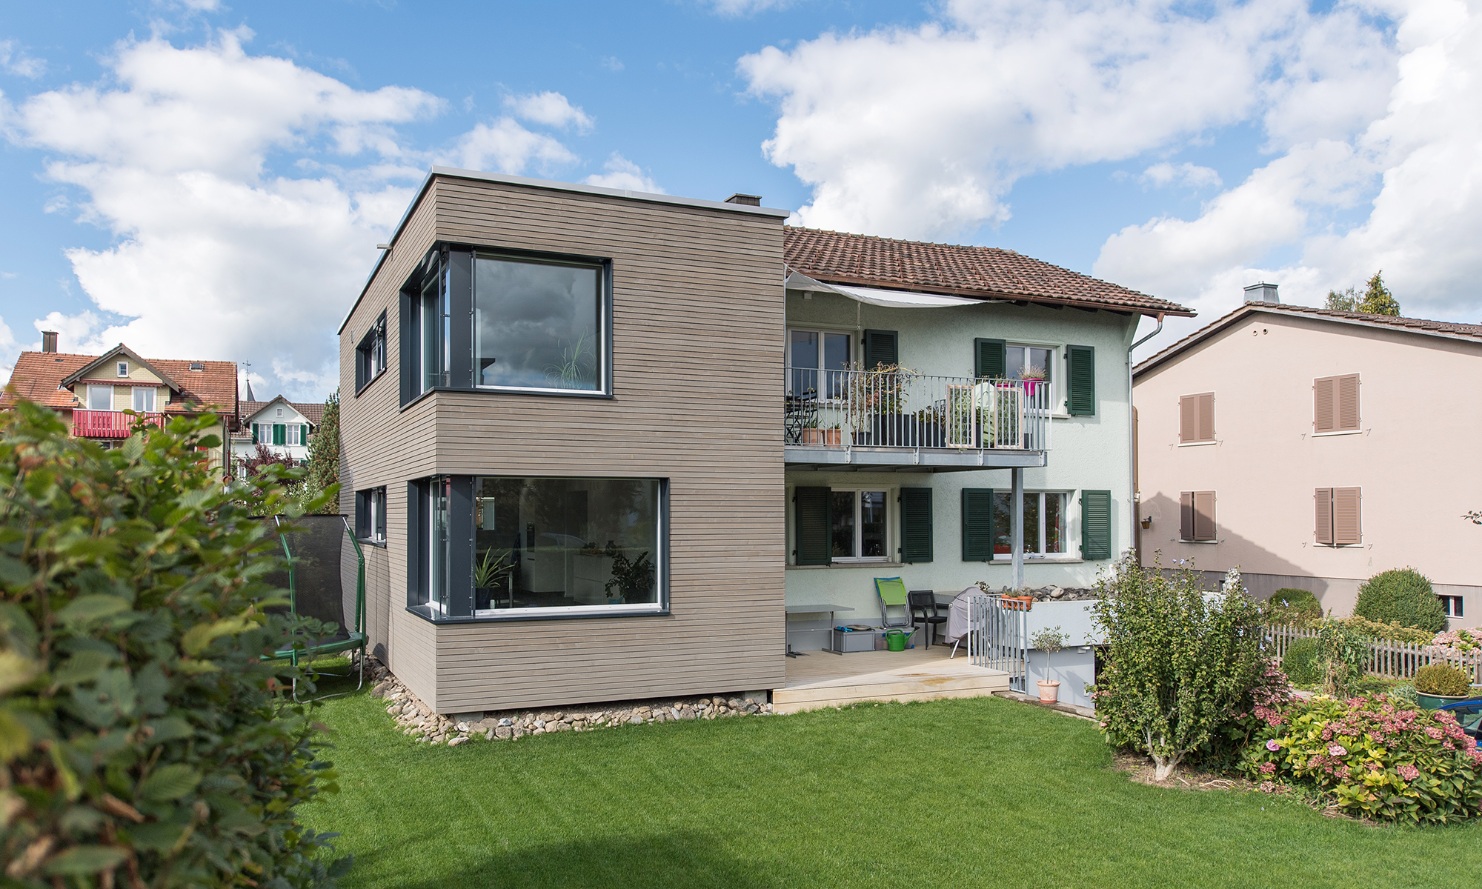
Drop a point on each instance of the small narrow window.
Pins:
(123, 368)
(370, 354)
(1451, 605)
(370, 514)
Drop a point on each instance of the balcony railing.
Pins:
(893, 409)
(110, 424)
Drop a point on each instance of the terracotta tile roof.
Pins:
(39, 375)
(1450, 329)
(312, 411)
(987, 272)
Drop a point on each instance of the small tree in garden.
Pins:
(143, 740)
(1403, 596)
(1181, 666)
(324, 450)
(263, 457)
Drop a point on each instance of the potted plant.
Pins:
(877, 398)
(487, 574)
(1437, 685)
(833, 436)
(1049, 640)
(633, 579)
(1033, 377)
(812, 435)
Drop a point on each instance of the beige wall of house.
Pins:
(1414, 456)
(696, 358)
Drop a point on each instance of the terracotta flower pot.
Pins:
(1049, 691)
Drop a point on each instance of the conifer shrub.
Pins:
(1442, 679)
(1403, 596)
(1301, 663)
(144, 741)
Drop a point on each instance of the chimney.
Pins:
(747, 200)
(1261, 293)
(48, 340)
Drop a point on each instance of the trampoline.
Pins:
(312, 548)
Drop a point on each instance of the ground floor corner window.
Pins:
(556, 546)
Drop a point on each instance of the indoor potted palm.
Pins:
(488, 573)
(1048, 640)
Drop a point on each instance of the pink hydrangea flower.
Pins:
(1434, 733)
(1408, 772)
(1268, 768)
(1337, 750)
(1273, 745)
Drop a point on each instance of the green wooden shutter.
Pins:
(254, 433)
(1096, 507)
(811, 524)
(881, 347)
(280, 434)
(990, 358)
(916, 529)
(977, 524)
(303, 434)
(1082, 375)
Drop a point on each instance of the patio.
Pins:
(821, 679)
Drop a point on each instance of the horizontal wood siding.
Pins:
(697, 370)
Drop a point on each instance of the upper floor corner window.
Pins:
(538, 324)
(123, 368)
(1335, 404)
(496, 321)
(370, 354)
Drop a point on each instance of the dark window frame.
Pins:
(370, 355)
(370, 515)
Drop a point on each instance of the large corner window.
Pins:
(537, 324)
(481, 320)
(536, 547)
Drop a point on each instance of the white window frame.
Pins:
(1451, 605)
(849, 335)
(95, 389)
(889, 543)
(1065, 541)
(1053, 381)
(144, 393)
(293, 434)
(123, 368)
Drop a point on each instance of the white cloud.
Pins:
(14, 60)
(214, 257)
(619, 172)
(1409, 175)
(1187, 175)
(7, 348)
(507, 147)
(549, 109)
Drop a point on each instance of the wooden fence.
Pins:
(1392, 660)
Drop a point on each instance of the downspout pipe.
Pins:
(1132, 500)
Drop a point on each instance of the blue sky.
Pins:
(203, 179)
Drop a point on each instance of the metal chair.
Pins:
(799, 412)
(892, 594)
(925, 611)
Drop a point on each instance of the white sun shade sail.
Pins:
(878, 296)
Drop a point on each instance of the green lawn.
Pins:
(955, 793)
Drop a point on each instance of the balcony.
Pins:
(847, 419)
(110, 424)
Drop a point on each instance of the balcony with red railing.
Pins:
(110, 424)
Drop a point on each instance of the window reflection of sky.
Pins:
(536, 324)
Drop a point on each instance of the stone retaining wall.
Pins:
(416, 719)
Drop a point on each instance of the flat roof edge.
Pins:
(603, 191)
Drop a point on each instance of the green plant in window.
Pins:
(578, 363)
(632, 578)
(494, 565)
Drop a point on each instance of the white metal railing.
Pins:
(901, 409)
(998, 638)
(1393, 660)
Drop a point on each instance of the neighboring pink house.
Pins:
(1313, 449)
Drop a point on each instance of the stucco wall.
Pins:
(1414, 455)
(1085, 452)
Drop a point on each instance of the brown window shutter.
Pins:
(1204, 515)
(1186, 515)
(1346, 525)
(1348, 401)
(1323, 398)
(1323, 497)
(1206, 416)
(1188, 420)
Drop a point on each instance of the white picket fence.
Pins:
(1392, 660)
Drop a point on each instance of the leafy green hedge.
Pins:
(1373, 759)
(1403, 596)
(1289, 606)
(143, 740)
(1301, 663)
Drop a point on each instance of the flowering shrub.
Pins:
(1449, 643)
(1373, 759)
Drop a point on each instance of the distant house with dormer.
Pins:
(284, 427)
(104, 397)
